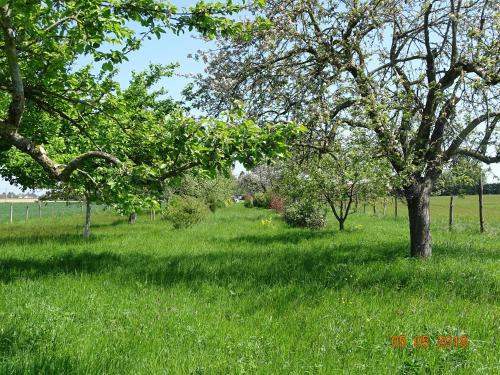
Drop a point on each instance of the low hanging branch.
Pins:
(39, 154)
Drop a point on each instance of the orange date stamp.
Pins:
(424, 342)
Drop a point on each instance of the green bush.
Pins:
(248, 201)
(305, 214)
(262, 200)
(183, 212)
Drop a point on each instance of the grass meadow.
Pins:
(242, 294)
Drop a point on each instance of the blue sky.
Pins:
(169, 49)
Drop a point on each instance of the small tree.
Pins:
(215, 191)
(348, 171)
(261, 179)
(457, 177)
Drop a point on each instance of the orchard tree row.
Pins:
(69, 126)
(420, 78)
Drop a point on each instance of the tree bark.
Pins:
(418, 199)
(132, 217)
(86, 228)
(481, 215)
(395, 207)
(450, 221)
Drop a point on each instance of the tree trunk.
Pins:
(385, 206)
(450, 222)
(481, 215)
(86, 228)
(418, 199)
(132, 217)
(395, 207)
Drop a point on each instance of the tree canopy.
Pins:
(72, 123)
(423, 76)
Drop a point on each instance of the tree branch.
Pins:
(16, 107)
(478, 156)
(75, 164)
(457, 142)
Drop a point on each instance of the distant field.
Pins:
(466, 211)
(236, 295)
(18, 200)
(46, 209)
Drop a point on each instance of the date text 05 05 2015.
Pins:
(424, 342)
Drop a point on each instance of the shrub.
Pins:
(183, 212)
(277, 203)
(214, 204)
(248, 201)
(305, 214)
(262, 200)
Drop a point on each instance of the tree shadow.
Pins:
(296, 271)
(114, 223)
(41, 238)
(70, 262)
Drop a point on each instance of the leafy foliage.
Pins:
(248, 201)
(185, 211)
(459, 177)
(277, 203)
(216, 192)
(261, 179)
(262, 200)
(73, 124)
(305, 213)
(423, 77)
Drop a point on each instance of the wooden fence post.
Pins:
(481, 215)
(450, 218)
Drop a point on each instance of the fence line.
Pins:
(20, 210)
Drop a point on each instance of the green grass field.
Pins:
(236, 295)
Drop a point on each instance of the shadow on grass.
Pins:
(310, 271)
(41, 238)
(66, 263)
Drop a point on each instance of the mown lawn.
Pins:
(234, 295)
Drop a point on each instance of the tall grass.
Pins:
(241, 293)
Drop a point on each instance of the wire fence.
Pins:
(24, 211)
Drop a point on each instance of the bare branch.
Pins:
(457, 142)
(16, 107)
(478, 156)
